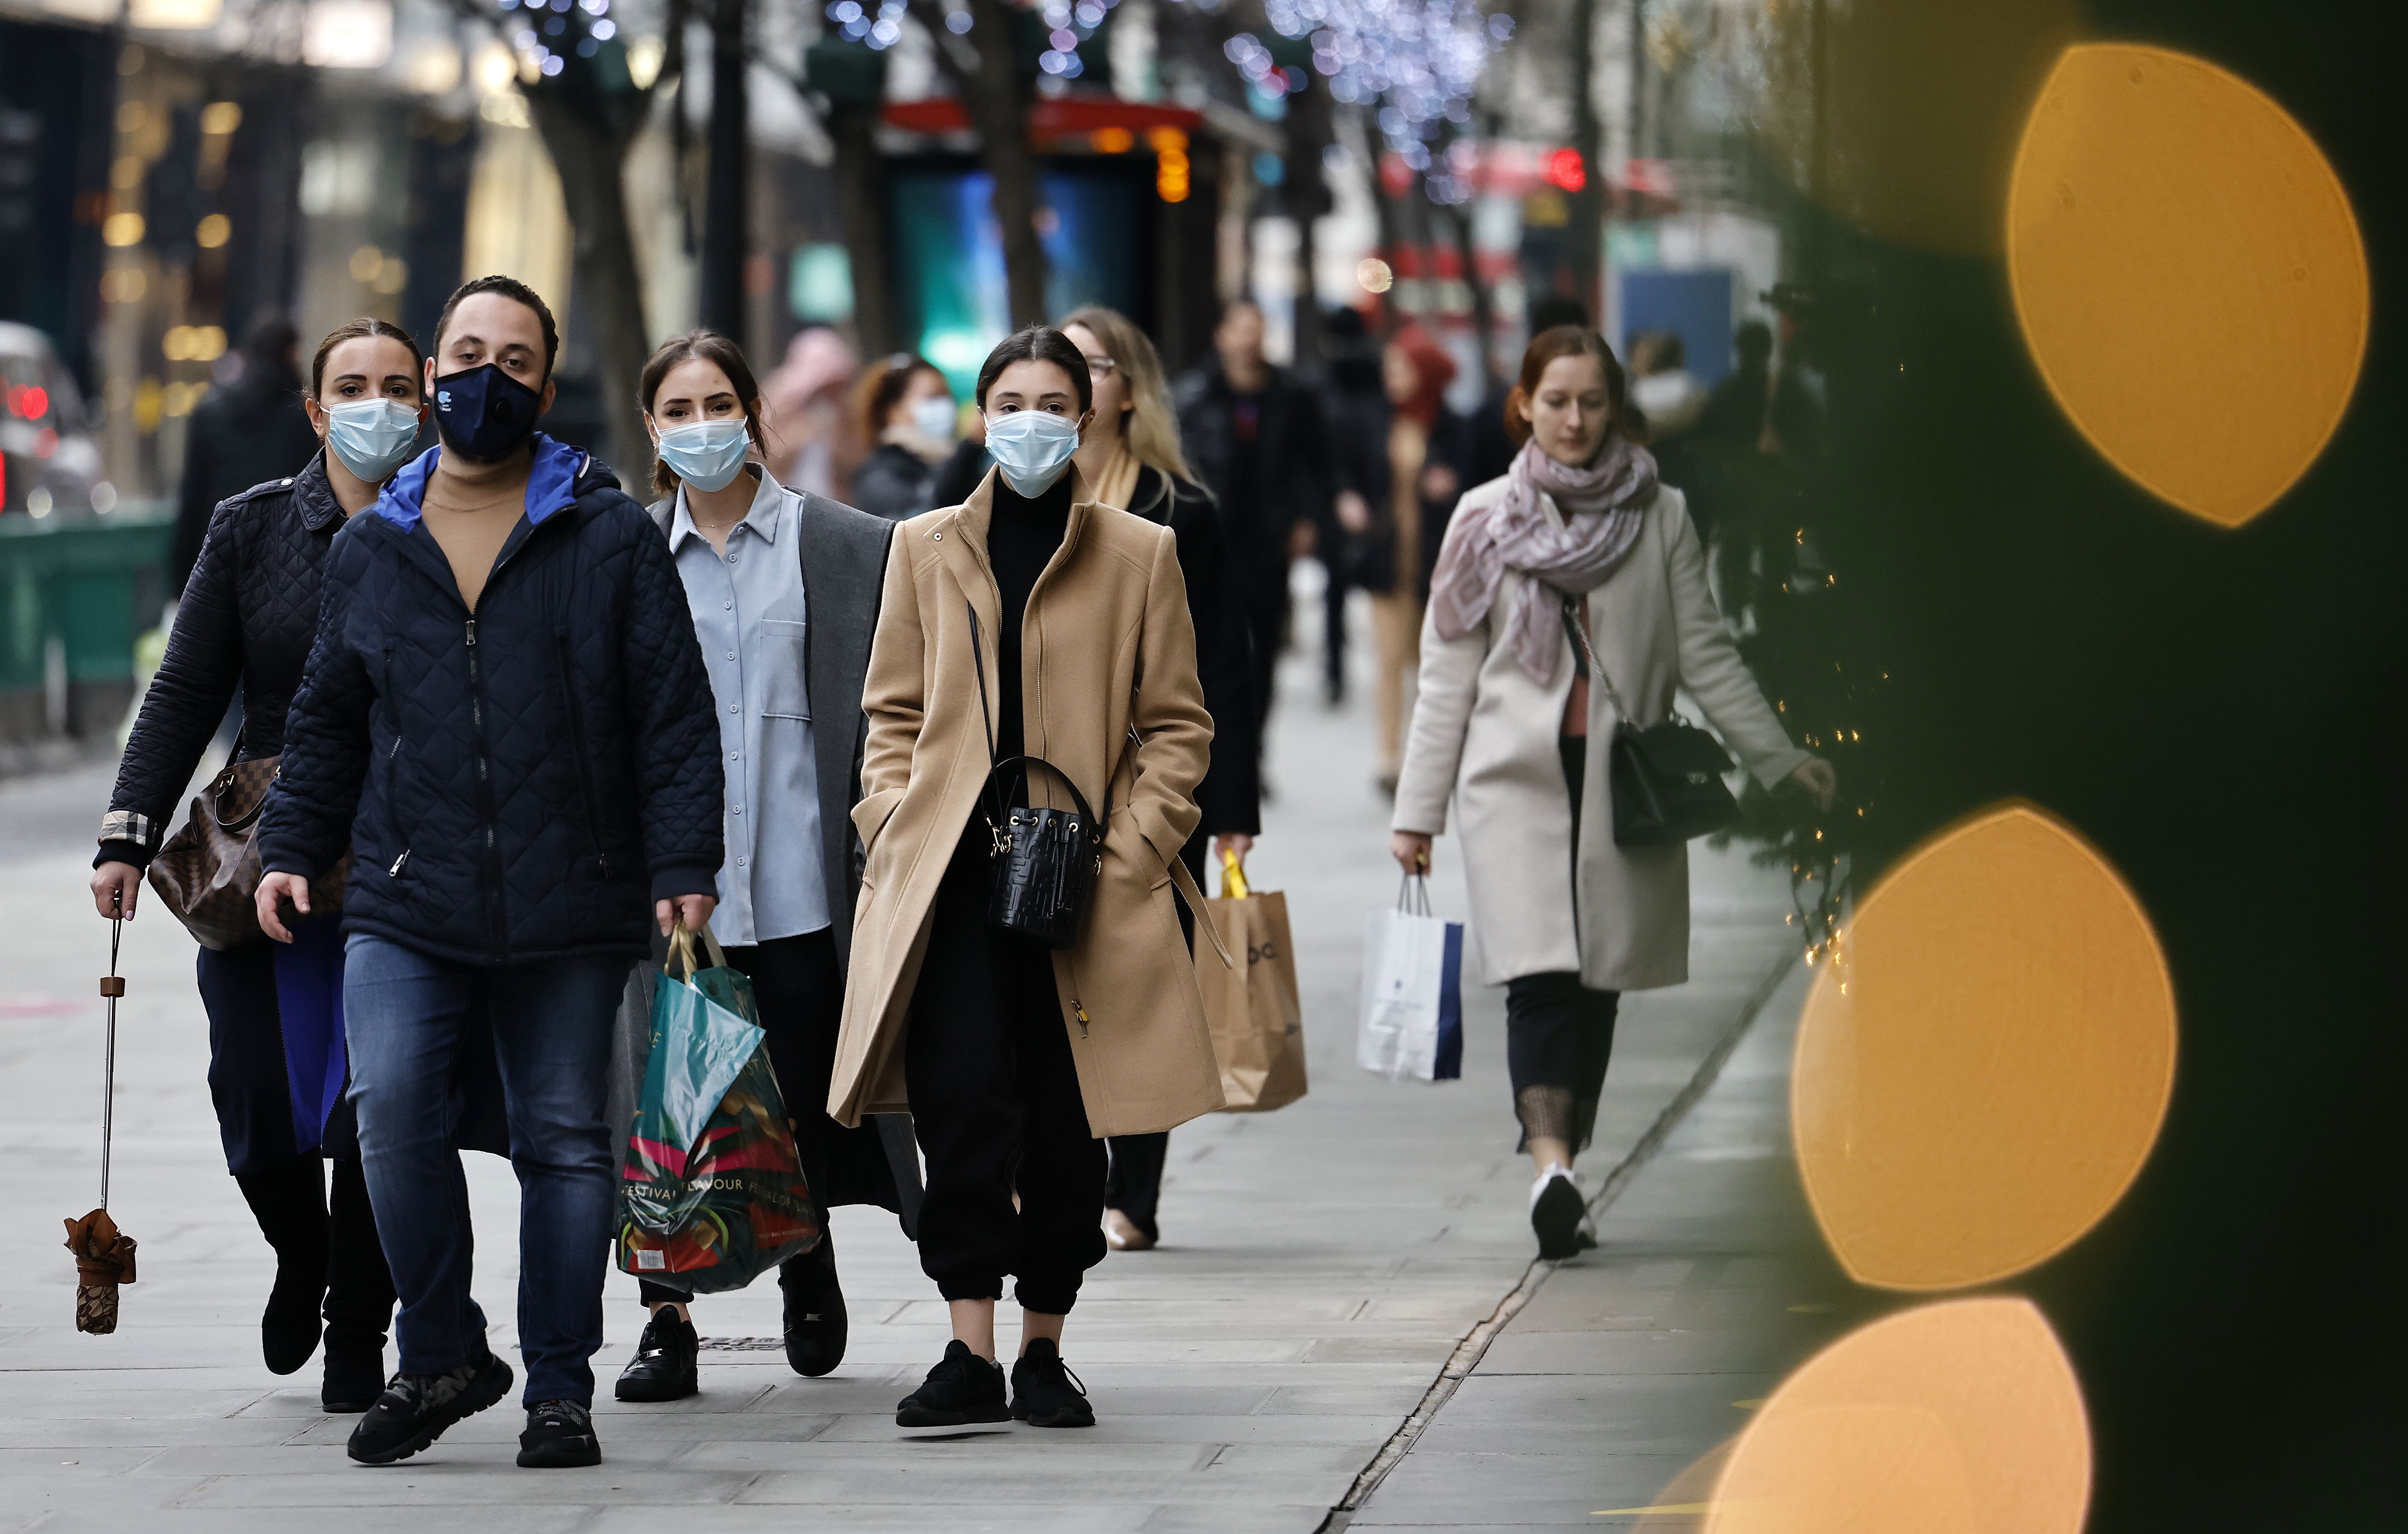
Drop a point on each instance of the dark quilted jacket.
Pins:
(247, 618)
(521, 785)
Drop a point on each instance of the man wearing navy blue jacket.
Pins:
(506, 719)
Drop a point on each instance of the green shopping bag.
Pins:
(711, 1191)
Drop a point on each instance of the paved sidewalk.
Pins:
(1321, 1266)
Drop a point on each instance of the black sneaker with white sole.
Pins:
(962, 1389)
(559, 1436)
(1044, 1392)
(1557, 1210)
(416, 1408)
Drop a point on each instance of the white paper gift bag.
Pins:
(1411, 1022)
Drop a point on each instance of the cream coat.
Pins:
(1485, 734)
(1106, 649)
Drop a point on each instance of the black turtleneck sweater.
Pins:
(1020, 537)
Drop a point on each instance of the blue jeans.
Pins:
(406, 1015)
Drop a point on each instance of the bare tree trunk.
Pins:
(1588, 241)
(726, 219)
(997, 98)
(1483, 301)
(589, 157)
(861, 203)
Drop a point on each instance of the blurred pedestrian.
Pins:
(1569, 599)
(1355, 415)
(1398, 489)
(506, 716)
(1255, 437)
(1130, 459)
(1013, 1056)
(277, 1059)
(1668, 398)
(907, 409)
(1493, 446)
(782, 590)
(1760, 428)
(242, 434)
(819, 445)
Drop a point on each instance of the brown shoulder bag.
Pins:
(207, 872)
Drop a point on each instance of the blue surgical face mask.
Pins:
(934, 416)
(706, 454)
(1032, 448)
(484, 415)
(372, 438)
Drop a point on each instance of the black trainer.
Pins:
(663, 1368)
(560, 1435)
(416, 1408)
(815, 1317)
(963, 1388)
(1044, 1392)
(1556, 1216)
(355, 1379)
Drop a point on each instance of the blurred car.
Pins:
(48, 460)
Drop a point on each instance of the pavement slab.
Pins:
(1319, 1266)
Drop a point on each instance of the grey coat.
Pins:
(1484, 736)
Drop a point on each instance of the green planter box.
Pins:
(76, 592)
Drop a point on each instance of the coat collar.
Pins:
(965, 553)
(313, 495)
(552, 484)
(762, 515)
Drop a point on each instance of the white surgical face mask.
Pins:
(372, 438)
(706, 454)
(1032, 448)
(934, 416)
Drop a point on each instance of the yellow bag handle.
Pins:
(682, 940)
(1233, 875)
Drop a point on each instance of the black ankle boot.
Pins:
(288, 1199)
(359, 1297)
(353, 1381)
(816, 1326)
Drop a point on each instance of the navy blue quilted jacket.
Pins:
(521, 785)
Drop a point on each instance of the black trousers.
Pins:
(289, 1198)
(994, 1097)
(1558, 1032)
(799, 989)
(1134, 1185)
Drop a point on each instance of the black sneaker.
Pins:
(355, 1380)
(663, 1368)
(815, 1317)
(560, 1435)
(963, 1388)
(1557, 1210)
(1044, 1392)
(416, 1408)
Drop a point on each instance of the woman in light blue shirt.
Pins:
(784, 588)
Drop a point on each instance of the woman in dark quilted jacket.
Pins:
(506, 719)
(277, 1061)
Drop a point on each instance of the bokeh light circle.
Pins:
(1981, 1074)
(1962, 1417)
(2189, 275)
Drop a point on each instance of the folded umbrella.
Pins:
(104, 1254)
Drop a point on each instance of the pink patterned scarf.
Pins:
(1603, 506)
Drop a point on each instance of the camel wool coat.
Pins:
(1485, 734)
(1110, 695)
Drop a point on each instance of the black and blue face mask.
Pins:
(483, 413)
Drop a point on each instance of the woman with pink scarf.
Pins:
(1578, 540)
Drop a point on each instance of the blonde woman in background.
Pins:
(1130, 456)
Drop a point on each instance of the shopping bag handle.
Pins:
(681, 942)
(1233, 875)
(1412, 895)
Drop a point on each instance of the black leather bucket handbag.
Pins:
(1045, 861)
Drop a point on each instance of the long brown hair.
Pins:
(1562, 341)
(354, 330)
(1153, 429)
(881, 387)
(713, 348)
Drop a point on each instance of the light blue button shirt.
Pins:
(749, 616)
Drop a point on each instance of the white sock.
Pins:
(1554, 1171)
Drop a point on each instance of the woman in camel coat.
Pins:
(1014, 1059)
(1579, 530)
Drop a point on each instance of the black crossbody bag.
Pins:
(1665, 780)
(1045, 861)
